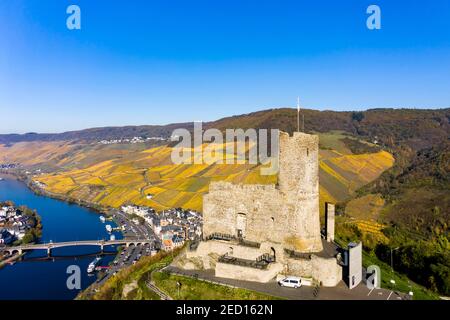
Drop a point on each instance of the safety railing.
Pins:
(297, 255)
(243, 262)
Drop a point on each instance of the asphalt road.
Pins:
(340, 292)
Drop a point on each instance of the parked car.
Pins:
(291, 282)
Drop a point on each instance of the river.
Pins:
(35, 278)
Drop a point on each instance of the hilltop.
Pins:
(418, 127)
(96, 134)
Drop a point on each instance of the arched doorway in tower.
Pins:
(241, 225)
(273, 253)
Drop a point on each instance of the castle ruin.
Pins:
(257, 232)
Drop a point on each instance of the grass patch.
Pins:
(402, 283)
(193, 289)
(333, 140)
(367, 207)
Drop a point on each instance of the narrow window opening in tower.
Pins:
(307, 152)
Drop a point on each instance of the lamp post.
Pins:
(178, 289)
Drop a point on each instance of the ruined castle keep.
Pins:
(286, 215)
(255, 232)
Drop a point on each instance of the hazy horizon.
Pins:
(156, 62)
(210, 120)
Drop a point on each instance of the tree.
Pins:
(357, 116)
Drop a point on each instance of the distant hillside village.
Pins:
(18, 224)
(133, 140)
(7, 166)
(173, 226)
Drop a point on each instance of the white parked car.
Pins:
(291, 282)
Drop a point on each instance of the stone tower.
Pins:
(329, 221)
(298, 181)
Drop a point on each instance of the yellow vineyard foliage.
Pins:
(149, 178)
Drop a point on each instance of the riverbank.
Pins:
(10, 260)
(27, 183)
(62, 222)
(42, 192)
(19, 224)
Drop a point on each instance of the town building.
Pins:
(173, 226)
(6, 237)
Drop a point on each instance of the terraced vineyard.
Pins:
(148, 177)
(373, 228)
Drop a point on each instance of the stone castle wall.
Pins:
(222, 247)
(259, 206)
(324, 270)
(224, 270)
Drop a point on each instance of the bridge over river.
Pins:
(53, 245)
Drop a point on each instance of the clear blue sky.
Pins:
(160, 61)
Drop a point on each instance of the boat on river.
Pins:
(93, 265)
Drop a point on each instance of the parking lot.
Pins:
(129, 255)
